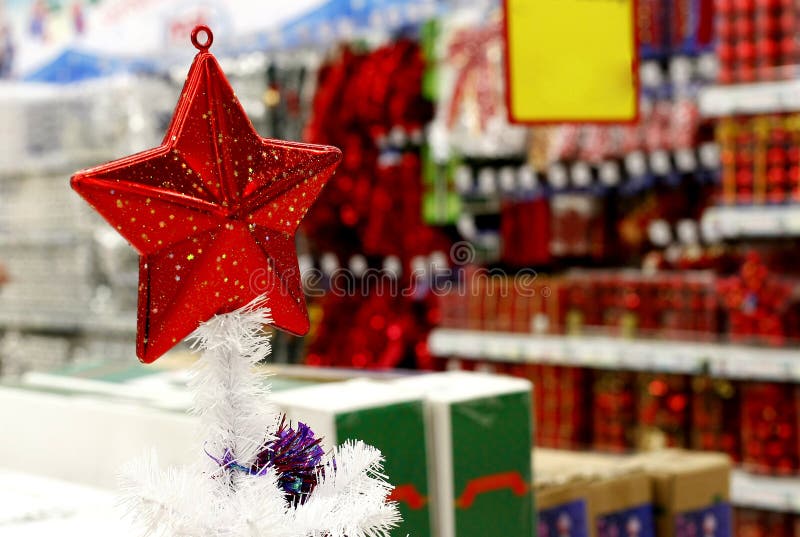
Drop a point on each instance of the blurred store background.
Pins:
(643, 276)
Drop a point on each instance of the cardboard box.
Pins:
(380, 414)
(585, 494)
(691, 492)
(479, 430)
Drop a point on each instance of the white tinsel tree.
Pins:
(219, 495)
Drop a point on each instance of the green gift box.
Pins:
(479, 431)
(380, 414)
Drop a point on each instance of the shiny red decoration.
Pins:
(212, 212)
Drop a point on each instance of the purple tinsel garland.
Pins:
(294, 453)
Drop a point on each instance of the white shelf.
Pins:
(756, 98)
(721, 360)
(67, 321)
(753, 221)
(765, 492)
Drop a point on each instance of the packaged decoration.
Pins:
(471, 118)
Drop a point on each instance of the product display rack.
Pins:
(601, 352)
(766, 492)
(753, 222)
(756, 98)
(724, 361)
(570, 361)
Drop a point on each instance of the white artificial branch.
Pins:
(162, 501)
(206, 499)
(230, 397)
(350, 499)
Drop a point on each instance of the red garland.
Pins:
(372, 104)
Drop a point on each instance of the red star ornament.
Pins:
(212, 212)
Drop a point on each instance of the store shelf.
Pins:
(49, 238)
(758, 98)
(765, 492)
(753, 222)
(69, 322)
(721, 360)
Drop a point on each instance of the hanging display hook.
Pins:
(202, 47)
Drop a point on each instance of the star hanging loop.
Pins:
(212, 211)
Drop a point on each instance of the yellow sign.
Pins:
(571, 61)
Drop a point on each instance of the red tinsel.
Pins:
(372, 105)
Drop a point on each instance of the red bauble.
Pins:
(745, 51)
(767, 49)
(725, 28)
(744, 28)
(212, 212)
(788, 46)
(726, 53)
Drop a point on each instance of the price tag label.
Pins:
(467, 346)
(636, 355)
(569, 352)
(763, 100)
(550, 351)
(792, 221)
(793, 501)
(686, 358)
(506, 349)
(629, 357)
(585, 351)
(479, 348)
(790, 96)
(661, 357)
(562, 65)
(733, 363)
(533, 350)
(607, 352)
(718, 367)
